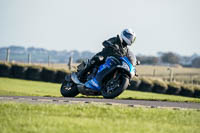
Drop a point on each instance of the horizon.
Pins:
(139, 54)
(160, 26)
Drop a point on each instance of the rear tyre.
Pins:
(69, 89)
(114, 87)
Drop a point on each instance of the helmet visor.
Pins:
(129, 36)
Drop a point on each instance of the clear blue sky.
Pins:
(160, 25)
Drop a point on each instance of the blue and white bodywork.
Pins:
(111, 63)
(127, 65)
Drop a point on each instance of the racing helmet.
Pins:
(128, 36)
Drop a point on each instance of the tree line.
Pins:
(171, 58)
(21, 54)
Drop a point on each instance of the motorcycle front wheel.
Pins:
(69, 89)
(113, 87)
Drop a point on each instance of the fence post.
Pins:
(29, 58)
(191, 78)
(7, 55)
(170, 74)
(48, 60)
(70, 63)
(154, 72)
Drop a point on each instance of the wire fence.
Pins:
(171, 75)
(27, 59)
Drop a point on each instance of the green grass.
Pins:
(154, 96)
(19, 87)
(83, 118)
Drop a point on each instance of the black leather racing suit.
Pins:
(112, 47)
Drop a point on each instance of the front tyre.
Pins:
(69, 89)
(114, 86)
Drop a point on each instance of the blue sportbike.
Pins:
(109, 79)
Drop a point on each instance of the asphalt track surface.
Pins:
(130, 103)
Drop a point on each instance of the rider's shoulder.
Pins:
(112, 41)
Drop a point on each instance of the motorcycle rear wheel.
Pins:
(117, 87)
(69, 89)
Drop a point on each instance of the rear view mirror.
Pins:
(137, 62)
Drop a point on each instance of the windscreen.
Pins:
(132, 58)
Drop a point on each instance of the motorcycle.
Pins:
(109, 79)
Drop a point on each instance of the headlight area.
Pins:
(125, 66)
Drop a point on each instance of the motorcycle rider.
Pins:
(116, 46)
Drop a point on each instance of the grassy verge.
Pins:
(18, 87)
(154, 96)
(81, 118)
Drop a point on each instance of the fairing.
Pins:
(107, 67)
